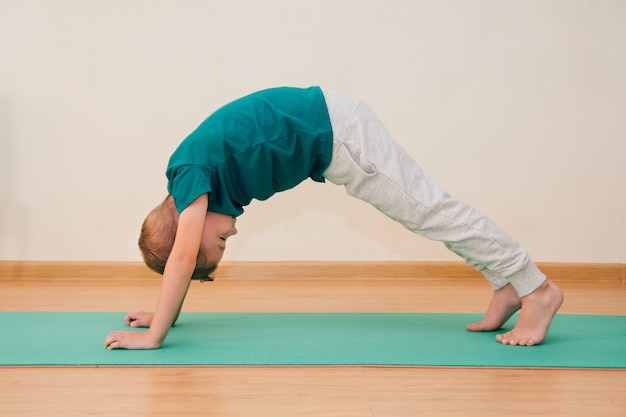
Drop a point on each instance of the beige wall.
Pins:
(516, 107)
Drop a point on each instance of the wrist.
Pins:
(154, 340)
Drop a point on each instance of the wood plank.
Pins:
(318, 295)
(73, 269)
(335, 270)
(322, 392)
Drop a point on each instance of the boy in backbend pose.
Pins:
(272, 140)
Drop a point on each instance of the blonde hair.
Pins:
(156, 240)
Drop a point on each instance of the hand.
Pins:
(138, 318)
(120, 339)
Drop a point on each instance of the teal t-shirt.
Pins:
(258, 145)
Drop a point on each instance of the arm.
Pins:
(176, 278)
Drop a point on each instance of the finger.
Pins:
(115, 340)
(114, 345)
(111, 338)
(132, 322)
(133, 316)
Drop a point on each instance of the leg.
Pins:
(374, 168)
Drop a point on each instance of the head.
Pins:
(159, 230)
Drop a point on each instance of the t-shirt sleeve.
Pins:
(186, 183)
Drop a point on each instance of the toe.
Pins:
(476, 327)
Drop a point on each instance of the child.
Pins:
(274, 139)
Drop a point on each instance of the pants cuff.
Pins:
(527, 280)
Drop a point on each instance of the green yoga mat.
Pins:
(322, 339)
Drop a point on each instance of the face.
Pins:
(217, 229)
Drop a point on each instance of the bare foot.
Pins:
(538, 309)
(503, 305)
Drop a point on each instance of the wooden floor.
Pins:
(301, 391)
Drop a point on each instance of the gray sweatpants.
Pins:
(375, 168)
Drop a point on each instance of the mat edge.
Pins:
(469, 367)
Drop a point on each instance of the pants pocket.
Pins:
(362, 164)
